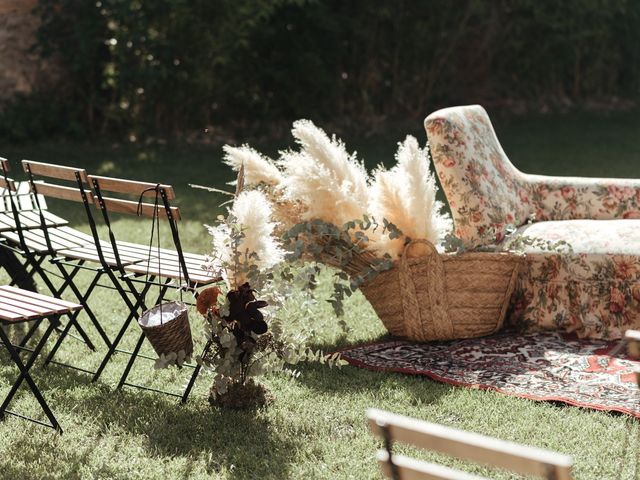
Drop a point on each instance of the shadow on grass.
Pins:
(382, 386)
(243, 444)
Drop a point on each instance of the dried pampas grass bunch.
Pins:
(406, 197)
(331, 183)
(245, 243)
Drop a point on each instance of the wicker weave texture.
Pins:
(171, 336)
(444, 296)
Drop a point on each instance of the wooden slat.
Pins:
(59, 191)
(8, 316)
(169, 267)
(61, 238)
(24, 309)
(8, 183)
(471, 446)
(411, 469)
(54, 171)
(30, 220)
(89, 253)
(5, 165)
(132, 187)
(130, 207)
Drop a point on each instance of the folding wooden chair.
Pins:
(19, 306)
(162, 267)
(632, 338)
(19, 241)
(18, 216)
(91, 254)
(458, 443)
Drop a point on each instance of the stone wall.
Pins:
(21, 69)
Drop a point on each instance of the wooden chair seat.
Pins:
(168, 266)
(62, 238)
(17, 305)
(129, 253)
(30, 220)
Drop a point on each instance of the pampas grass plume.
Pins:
(406, 196)
(257, 167)
(330, 182)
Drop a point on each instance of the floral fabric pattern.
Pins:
(594, 290)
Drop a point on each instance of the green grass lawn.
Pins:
(316, 426)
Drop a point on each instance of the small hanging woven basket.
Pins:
(444, 296)
(166, 326)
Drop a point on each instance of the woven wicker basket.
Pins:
(444, 296)
(172, 335)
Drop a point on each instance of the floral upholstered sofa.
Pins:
(591, 288)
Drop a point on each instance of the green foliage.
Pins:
(175, 66)
(343, 248)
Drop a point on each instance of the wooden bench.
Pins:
(19, 306)
(458, 443)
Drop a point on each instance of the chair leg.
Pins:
(25, 376)
(82, 299)
(32, 330)
(131, 361)
(194, 375)
(132, 314)
(73, 321)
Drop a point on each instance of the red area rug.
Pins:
(540, 366)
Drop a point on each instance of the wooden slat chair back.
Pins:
(162, 263)
(52, 237)
(632, 338)
(516, 458)
(20, 194)
(19, 306)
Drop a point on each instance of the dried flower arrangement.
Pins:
(335, 214)
(245, 341)
(386, 234)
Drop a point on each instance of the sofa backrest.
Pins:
(485, 191)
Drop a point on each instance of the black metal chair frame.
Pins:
(147, 283)
(24, 368)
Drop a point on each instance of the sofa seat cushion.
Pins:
(591, 288)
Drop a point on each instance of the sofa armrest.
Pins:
(566, 198)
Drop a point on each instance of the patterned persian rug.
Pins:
(539, 366)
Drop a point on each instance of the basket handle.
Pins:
(432, 249)
(435, 322)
